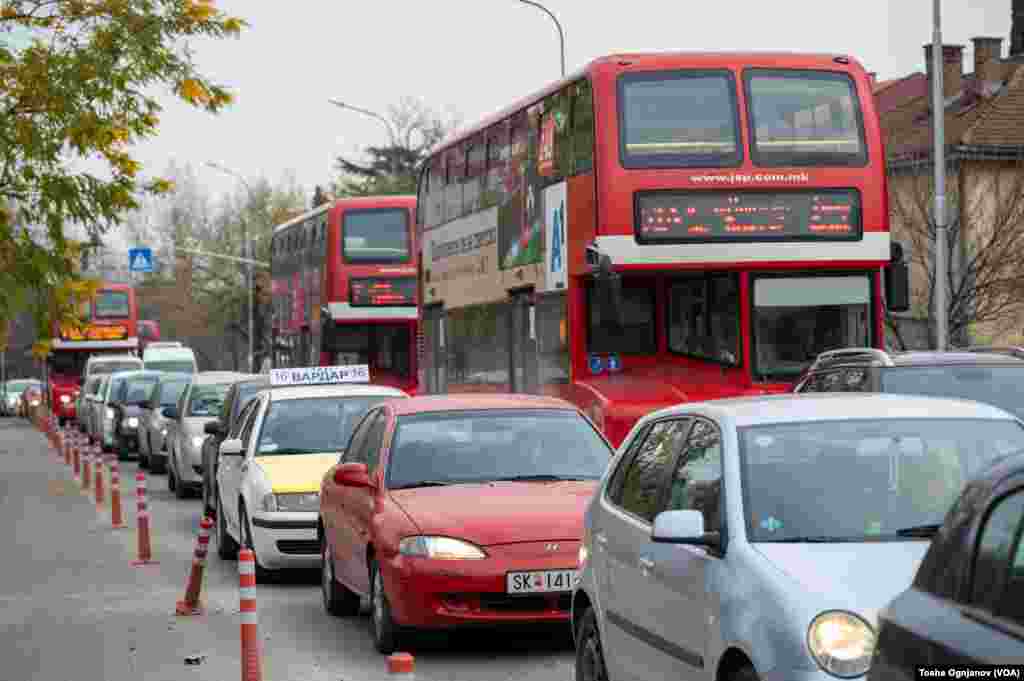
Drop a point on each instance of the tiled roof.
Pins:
(893, 93)
(970, 119)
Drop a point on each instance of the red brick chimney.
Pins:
(987, 53)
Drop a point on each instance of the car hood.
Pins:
(489, 514)
(868, 575)
(296, 473)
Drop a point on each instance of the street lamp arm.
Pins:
(561, 34)
(371, 114)
(248, 261)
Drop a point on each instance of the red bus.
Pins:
(659, 228)
(344, 288)
(111, 327)
(149, 332)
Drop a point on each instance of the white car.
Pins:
(271, 467)
(758, 538)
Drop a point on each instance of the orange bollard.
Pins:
(115, 495)
(190, 604)
(145, 550)
(98, 479)
(67, 441)
(251, 667)
(86, 469)
(401, 665)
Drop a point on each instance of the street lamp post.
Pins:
(561, 35)
(939, 157)
(387, 125)
(247, 250)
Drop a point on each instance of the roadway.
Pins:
(72, 607)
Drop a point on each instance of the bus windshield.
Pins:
(797, 318)
(112, 304)
(678, 118)
(804, 118)
(376, 235)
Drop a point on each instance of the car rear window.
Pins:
(999, 386)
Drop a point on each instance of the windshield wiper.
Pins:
(539, 478)
(925, 531)
(427, 483)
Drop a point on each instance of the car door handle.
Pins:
(646, 564)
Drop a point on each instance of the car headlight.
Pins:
(441, 548)
(110, 414)
(34, 403)
(163, 432)
(130, 422)
(298, 502)
(841, 643)
(64, 399)
(197, 441)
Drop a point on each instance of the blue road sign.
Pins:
(140, 260)
(613, 363)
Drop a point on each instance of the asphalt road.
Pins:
(73, 608)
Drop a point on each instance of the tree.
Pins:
(77, 84)
(414, 129)
(985, 246)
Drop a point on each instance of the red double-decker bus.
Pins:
(344, 288)
(111, 326)
(659, 228)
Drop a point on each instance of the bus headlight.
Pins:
(841, 643)
(64, 399)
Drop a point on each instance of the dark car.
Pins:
(128, 401)
(966, 605)
(217, 431)
(993, 377)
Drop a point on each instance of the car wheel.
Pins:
(144, 458)
(227, 547)
(589, 652)
(246, 530)
(208, 497)
(385, 630)
(180, 489)
(338, 599)
(172, 481)
(744, 673)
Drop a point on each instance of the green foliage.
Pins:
(77, 79)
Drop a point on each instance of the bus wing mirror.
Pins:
(897, 281)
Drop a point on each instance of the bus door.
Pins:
(522, 334)
(435, 354)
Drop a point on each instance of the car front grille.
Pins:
(299, 547)
(534, 603)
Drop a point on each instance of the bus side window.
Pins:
(435, 202)
(421, 197)
(455, 162)
(476, 164)
(582, 127)
(498, 153)
(514, 179)
(556, 116)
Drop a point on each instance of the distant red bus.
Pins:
(149, 332)
(656, 229)
(112, 320)
(344, 288)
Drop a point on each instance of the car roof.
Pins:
(862, 357)
(919, 357)
(792, 408)
(298, 392)
(135, 373)
(425, 404)
(120, 357)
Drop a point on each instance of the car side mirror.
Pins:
(683, 527)
(170, 413)
(608, 289)
(212, 428)
(231, 448)
(352, 475)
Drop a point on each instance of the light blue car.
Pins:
(758, 538)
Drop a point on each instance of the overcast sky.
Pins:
(476, 56)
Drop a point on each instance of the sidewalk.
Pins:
(72, 608)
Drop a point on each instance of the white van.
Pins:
(178, 360)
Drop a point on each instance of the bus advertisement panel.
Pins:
(344, 289)
(658, 229)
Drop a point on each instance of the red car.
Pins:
(459, 510)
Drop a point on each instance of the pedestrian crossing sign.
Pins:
(140, 260)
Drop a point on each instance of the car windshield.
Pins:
(111, 367)
(206, 400)
(999, 386)
(178, 366)
(480, 446)
(139, 389)
(798, 318)
(312, 425)
(862, 480)
(170, 393)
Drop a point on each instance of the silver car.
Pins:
(199, 404)
(154, 425)
(758, 538)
